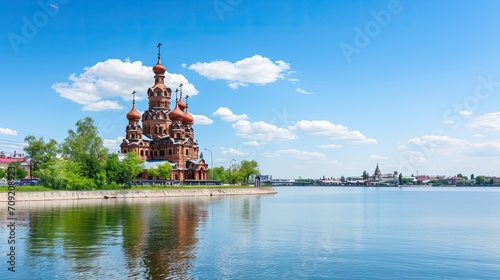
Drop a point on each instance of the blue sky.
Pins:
(307, 88)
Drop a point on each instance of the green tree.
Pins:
(52, 175)
(90, 166)
(480, 180)
(20, 173)
(218, 173)
(153, 172)
(84, 142)
(114, 170)
(342, 179)
(400, 177)
(248, 168)
(75, 178)
(165, 170)
(2, 173)
(86, 148)
(365, 175)
(472, 176)
(39, 151)
(491, 181)
(132, 166)
(63, 174)
(234, 175)
(101, 179)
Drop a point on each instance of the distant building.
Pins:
(166, 136)
(377, 175)
(5, 161)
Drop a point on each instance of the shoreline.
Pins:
(116, 194)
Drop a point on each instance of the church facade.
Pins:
(164, 135)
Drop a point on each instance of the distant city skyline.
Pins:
(306, 88)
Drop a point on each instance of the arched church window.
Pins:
(142, 152)
(187, 152)
(158, 93)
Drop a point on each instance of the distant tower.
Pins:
(377, 175)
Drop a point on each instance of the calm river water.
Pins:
(300, 233)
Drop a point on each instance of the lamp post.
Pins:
(230, 171)
(31, 169)
(211, 162)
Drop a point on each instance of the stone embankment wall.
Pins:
(101, 194)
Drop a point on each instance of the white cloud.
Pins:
(233, 152)
(202, 120)
(438, 153)
(303, 91)
(252, 70)
(402, 147)
(298, 154)
(236, 85)
(262, 131)
(435, 140)
(293, 80)
(490, 121)
(336, 132)
(8, 131)
(102, 106)
(251, 143)
(478, 135)
(488, 149)
(330, 146)
(113, 79)
(377, 157)
(227, 115)
(113, 144)
(466, 113)
(448, 122)
(183, 65)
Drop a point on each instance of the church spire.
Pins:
(181, 103)
(133, 115)
(159, 69)
(159, 52)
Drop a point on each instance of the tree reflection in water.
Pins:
(149, 238)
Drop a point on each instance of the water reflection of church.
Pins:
(166, 136)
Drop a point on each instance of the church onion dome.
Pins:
(159, 68)
(176, 113)
(133, 115)
(187, 118)
(181, 104)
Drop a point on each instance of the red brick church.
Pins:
(166, 135)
